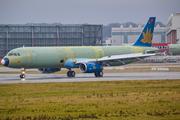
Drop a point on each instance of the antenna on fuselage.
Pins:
(23, 45)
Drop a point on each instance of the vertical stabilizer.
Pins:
(146, 36)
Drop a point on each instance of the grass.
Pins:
(141, 99)
(1, 65)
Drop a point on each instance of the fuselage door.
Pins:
(61, 53)
(31, 57)
(28, 54)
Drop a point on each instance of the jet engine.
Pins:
(70, 63)
(48, 70)
(90, 67)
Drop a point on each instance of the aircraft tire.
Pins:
(22, 76)
(96, 74)
(69, 73)
(73, 74)
(100, 74)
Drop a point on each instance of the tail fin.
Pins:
(146, 36)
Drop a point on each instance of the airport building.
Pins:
(173, 28)
(129, 35)
(107, 42)
(14, 36)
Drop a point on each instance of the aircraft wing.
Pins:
(119, 58)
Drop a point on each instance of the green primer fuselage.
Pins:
(55, 57)
(174, 49)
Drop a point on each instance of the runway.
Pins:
(147, 65)
(42, 78)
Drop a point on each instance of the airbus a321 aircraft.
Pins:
(89, 59)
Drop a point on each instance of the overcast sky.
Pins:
(85, 11)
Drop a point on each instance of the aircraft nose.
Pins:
(5, 61)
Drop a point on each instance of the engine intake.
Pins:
(48, 70)
(90, 67)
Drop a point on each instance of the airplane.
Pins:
(89, 59)
(174, 49)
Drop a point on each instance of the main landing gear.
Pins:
(98, 74)
(22, 76)
(71, 73)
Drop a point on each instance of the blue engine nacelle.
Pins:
(48, 70)
(90, 67)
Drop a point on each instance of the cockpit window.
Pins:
(10, 54)
(14, 54)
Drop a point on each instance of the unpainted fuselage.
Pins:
(56, 57)
(174, 49)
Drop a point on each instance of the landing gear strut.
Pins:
(71, 73)
(23, 76)
(98, 74)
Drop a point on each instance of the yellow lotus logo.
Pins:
(94, 67)
(147, 36)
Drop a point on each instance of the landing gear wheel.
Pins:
(71, 74)
(100, 74)
(22, 76)
(96, 74)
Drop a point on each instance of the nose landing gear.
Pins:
(22, 76)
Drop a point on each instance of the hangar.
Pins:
(19, 35)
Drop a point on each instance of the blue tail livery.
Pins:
(146, 36)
